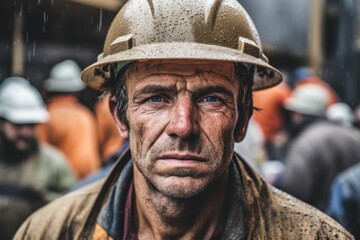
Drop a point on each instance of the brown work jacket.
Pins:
(270, 213)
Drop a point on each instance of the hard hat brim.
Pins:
(25, 116)
(182, 51)
(294, 105)
(54, 85)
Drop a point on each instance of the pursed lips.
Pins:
(182, 157)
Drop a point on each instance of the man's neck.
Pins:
(161, 217)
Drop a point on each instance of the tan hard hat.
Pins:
(182, 29)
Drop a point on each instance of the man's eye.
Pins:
(211, 99)
(156, 99)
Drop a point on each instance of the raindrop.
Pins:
(27, 37)
(34, 48)
(100, 20)
(21, 10)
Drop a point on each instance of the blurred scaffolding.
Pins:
(322, 34)
(36, 34)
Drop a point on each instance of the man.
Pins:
(72, 127)
(306, 75)
(344, 201)
(319, 149)
(23, 161)
(180, 74)
(272, 117)
(31, 174)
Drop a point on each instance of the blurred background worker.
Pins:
(344, 200)
(319, 149)
(344, 203)
(271, 116)
(72, 127)
(31, 173)
(306, 75)
(340, 113)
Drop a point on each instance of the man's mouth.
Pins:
(183, 157)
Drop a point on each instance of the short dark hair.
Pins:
(116, 88)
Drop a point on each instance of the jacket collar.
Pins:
(251, 204)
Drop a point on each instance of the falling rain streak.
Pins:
(34, 49)
(100, 20)
(45, 20)
(21, 10)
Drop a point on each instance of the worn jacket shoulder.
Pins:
(305, 220)
(63, 218)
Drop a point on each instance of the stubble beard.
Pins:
(172, 190)
(9, 148)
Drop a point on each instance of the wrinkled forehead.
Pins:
(185, 68)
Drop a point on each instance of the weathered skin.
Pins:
(182, 135)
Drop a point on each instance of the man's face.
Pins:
(182, 117)
(20, 138)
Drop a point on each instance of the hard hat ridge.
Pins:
(216, 30)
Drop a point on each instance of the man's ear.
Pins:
(121, 127)
(242, 124)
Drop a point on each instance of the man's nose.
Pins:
(183, 120)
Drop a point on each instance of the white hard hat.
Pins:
(340, 113)
(309, 99)
(21, 103)
(64, 77)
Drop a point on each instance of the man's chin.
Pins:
(181, 187)
(26, 147)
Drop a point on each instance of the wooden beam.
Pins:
(109, 5)
(316, 30)
(17, 65)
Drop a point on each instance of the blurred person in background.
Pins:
(104, 170)
(17, 202)
(271, 116)
(31, 173)
(356, 114)
(319, 149)
(71, 127)
(306, 75)
(252, 148)
(344, 203)
(181, 75)
(110, 140)
(340, 113)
